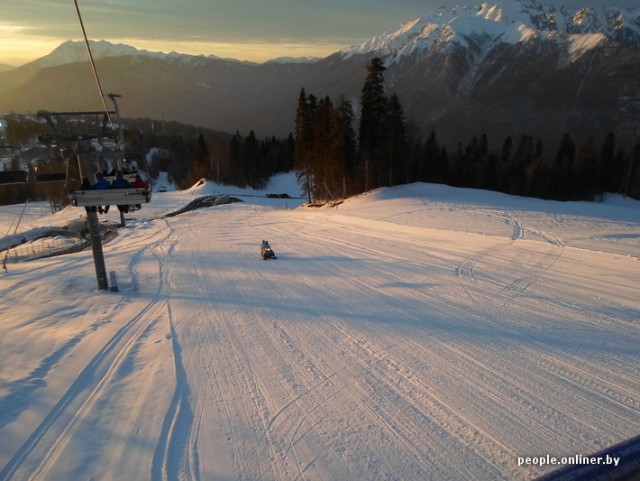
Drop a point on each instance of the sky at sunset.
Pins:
(255, 30)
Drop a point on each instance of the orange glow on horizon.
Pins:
(18, 45)
(16, 48)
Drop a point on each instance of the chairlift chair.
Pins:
(16, 170)
(98, 146)
(73, 147)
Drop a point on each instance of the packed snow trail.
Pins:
(374, 348)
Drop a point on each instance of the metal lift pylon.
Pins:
(77, 147)
(96, 246)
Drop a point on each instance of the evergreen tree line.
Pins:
(228, 159)
(333, 161)
(528, 169)
(187, 153)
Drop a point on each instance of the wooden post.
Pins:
(96, 246)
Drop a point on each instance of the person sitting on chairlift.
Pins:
(138, 183)
(86, 185)
(102, 184)
(121, 183)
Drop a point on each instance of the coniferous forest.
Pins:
(333, 161)
(189, 153)
(339, 149)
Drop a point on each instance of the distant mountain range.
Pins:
(506, 68)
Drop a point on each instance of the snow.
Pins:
(501, 22)
(76, 51)
(581, 44)
(419, 332)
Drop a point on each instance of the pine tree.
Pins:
(304, 142)
(323, 160)
(219, 156)
(199, 168)
(611, 169)
(431, 167)
(235, 173)
(373, 102)
(325, 147)
(539, 173)
(251, 162)
(522, 160)
(397, 143)
(345, 145)
(606, 164)
(504, 166)
(618, 183)
(469, 161)
(585, 172)
(562, 175)
(631, 180)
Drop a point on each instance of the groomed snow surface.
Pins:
(413, 333)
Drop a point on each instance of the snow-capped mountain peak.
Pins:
(73, 51)
(503, 22)
(76, 51)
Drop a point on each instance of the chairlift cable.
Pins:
(93, 63)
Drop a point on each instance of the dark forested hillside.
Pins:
(332, 164)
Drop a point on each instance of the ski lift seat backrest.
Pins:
(13, 177)
(51, 177)
(95, 198)
(12, 172)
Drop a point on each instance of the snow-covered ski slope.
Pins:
(413, 333)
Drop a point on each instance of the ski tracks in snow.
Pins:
(39, 453)
(522, 265)
(399, 427)
(176, 453)
(485, 393)
(365, 352)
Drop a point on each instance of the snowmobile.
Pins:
(266, 251)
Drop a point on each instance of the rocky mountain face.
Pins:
(506, 68)
(516, 67)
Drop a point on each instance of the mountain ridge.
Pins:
(72, 51)
(507, 68)
(506, 22)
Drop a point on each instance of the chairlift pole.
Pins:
(92, 199)
(113, 98)
(96, 247)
